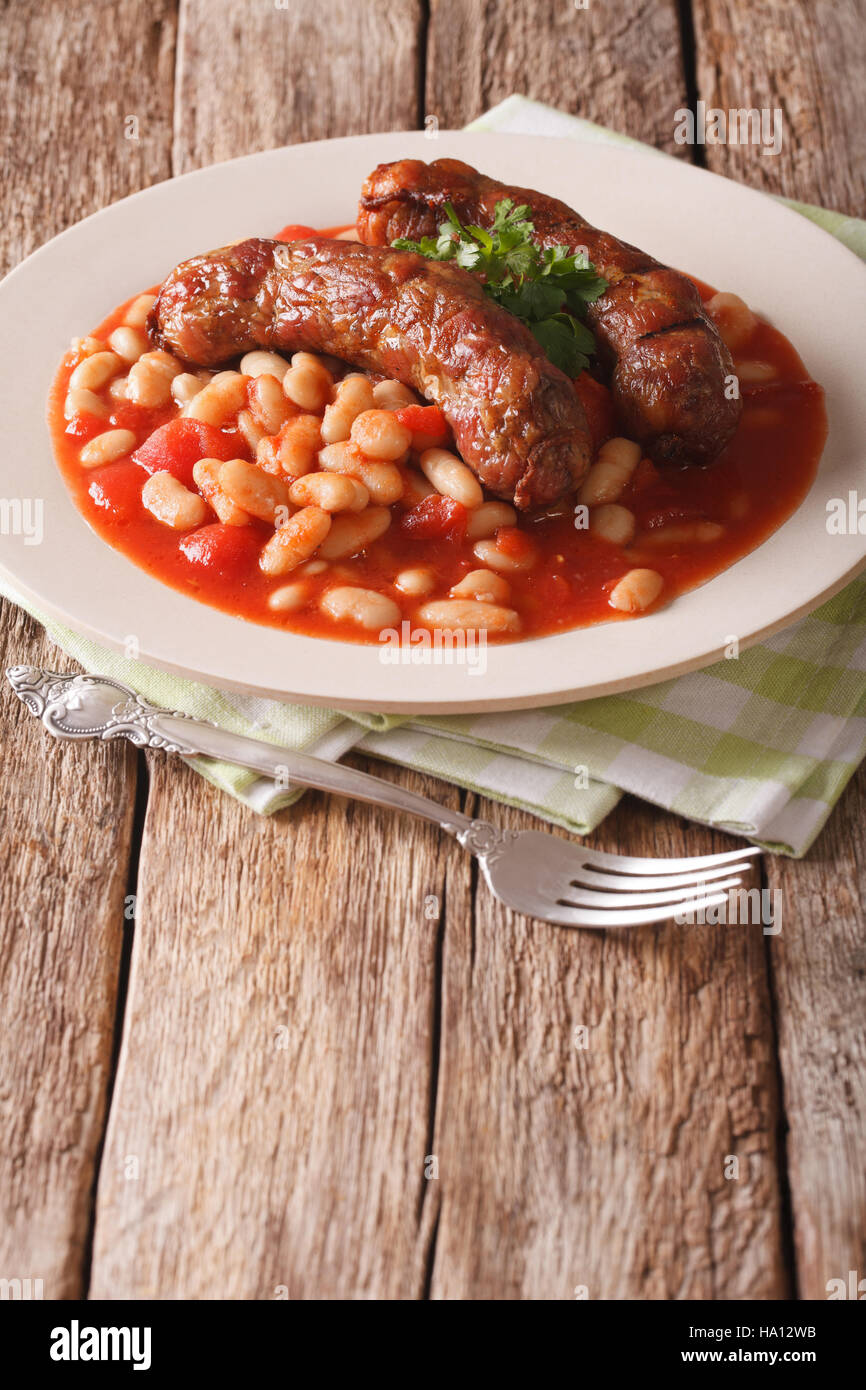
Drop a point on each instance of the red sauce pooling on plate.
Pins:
(749, 491)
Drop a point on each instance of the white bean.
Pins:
(184, 387)
(171, 503)
(380, 435)
(733, 318)
(351, 534)
(636, 591)
(383, 481)
(295, 542)
(333, 492)
(292, 452)
(85, 347)
(393, 395)
(288, 597)
(484, 585)
(268, 405)
(259, 363)
(365, 607)
(253, 490)
(80, 401)
(252, 433)
(352, 396)
(450, 476)
(150, 378)
(486, 520)
(136, 314)
(206, 474)
(612, 523)
(94, 371)
(128, 343)
(746, 371)
(223, 397)
(469, 615)
(417, 487)
(609, 475)
(416, 583)
(308, 383)
(490, 555)
(105, 448)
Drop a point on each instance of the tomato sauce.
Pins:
(749, 491)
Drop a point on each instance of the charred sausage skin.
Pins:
(516, 419)
(667, 363)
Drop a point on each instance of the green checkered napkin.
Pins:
(762, 746)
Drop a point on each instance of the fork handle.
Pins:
(196, 737)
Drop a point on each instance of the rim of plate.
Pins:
(730, 236)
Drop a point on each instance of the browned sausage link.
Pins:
(516, 418)
(667, 363)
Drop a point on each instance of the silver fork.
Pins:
(559, 881)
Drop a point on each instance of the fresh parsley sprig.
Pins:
(547, 287)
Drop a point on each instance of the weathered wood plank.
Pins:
(805, 58)
(274, 1160)
(597, 1161)
(65, 824)
(86, 110)
(608, 1161)
(819, 977)
(255, 74)
(808, 59)
(617, 65)
(65, 814)
(271, 1112)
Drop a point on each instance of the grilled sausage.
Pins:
(516, 419)
(666, 361)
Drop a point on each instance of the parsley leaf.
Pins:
(547, 288)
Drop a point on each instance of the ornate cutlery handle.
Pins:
(83, 706)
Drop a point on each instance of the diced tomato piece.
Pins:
(598, 408)
(514, 543)
(434, 518)
(427, 423)
(225, 550)
(116, 489)
(295, 231)
(176, 448)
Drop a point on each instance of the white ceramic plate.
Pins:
(725, 234)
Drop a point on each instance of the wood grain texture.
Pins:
(618, 65)
(298, 1167)
(273, 1099)
(322, 1001)
(66, 813)
(805, 58)
(819, 976)
(71, 76)
(255, 74)
(597, 1163)
(65, 825)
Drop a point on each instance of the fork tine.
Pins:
(627, 883)
(627, 864)
(563, 916)
(577, 897)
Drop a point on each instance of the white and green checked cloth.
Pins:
(762, 746)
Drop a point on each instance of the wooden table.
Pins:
(288, 1075)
